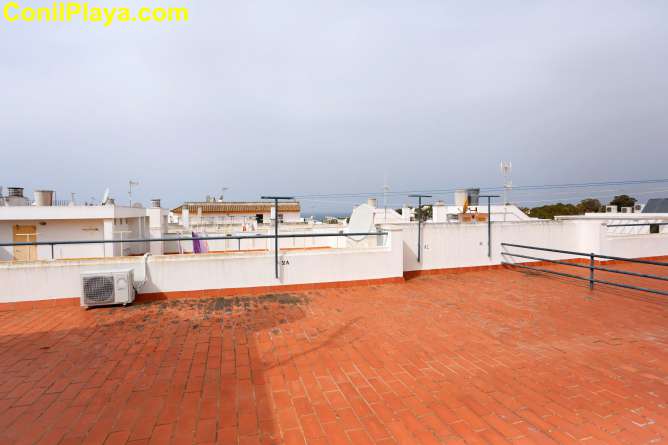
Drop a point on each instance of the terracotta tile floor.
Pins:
(479, 357)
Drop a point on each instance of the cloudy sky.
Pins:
(309, 97)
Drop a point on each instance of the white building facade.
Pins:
(79, 223)
(237, 213)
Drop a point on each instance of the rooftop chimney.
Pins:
(439, 212)
(16, 192)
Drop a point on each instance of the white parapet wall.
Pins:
(444, 246)
(636, 246)
(44, 280)
(250, 242)
(454, 245)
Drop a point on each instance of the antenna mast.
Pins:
(222, 193)
(131, 183)
(506, 169)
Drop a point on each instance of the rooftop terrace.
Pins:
(492, 356)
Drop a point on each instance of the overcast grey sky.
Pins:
(308, 97)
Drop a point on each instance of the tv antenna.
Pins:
(131, 183)
(222, 193)
(386, 188)
(506, 169)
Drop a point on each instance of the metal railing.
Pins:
(638, 224)
(275, 237)
(591, 267)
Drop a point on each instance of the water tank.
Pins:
(372, 202)
(460, 197)
(44, 197)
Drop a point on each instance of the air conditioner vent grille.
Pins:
(98, 289)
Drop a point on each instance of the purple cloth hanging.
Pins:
(197, 246)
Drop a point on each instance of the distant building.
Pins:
(230, 212)
(447, 213)
(656, 205)
(78, 223)
(24, 221)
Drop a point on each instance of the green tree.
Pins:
(589, 205)
(424, 214)
(551, 210)
(622, 201)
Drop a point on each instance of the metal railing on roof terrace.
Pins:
(591, 267)
(379, 236)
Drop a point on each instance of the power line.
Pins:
(486, 189)
(595, 195)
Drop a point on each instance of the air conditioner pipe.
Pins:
(139, 284)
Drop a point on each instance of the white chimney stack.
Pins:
(406, 213)
(439, 212)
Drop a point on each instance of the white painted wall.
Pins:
(81, 223)
(253, 243)
(230, 218)
(157, 222)
(500, 213)
(60, 279)
(58, 230)
(6, 236)
(636, 246)
(451, 245)
(445, 245)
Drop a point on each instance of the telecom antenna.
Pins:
(131, 183)
(222, 193)
(506, 169)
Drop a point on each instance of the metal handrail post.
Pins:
(276, 236)
(489, 222)
(419, 215)
(591, 271)
(276, 198)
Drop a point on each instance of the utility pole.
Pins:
(276, 198)
(489, 222)
(419, 217)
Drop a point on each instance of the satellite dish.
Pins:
(105, 197)
(361, 221)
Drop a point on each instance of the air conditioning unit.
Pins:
(610, 209)
(637, 208)
(104, 288)
(627, 209)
